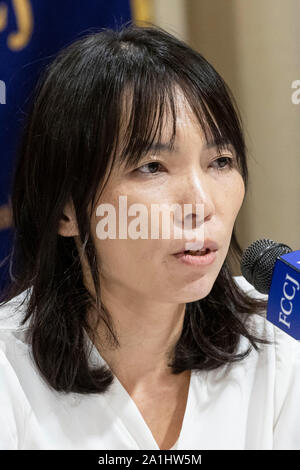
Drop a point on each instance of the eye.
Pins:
(225, 162)
(152, 166)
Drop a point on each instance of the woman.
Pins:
(119, 343)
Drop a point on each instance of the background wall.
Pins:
(255, 46)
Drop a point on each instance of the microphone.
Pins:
(274, 269)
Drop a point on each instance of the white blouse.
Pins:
(251, 404)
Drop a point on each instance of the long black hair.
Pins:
(69, 142)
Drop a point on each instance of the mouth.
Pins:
(202, 252)
(199, 258)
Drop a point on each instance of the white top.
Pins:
(252, 404)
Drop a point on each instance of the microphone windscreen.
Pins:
(258, 262)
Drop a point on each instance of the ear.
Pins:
(68, 223)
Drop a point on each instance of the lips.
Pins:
(208, 244)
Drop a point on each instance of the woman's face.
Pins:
(147, 268)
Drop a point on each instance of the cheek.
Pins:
(125, 259)
(117, 256)
(240, 194)
(231, 199)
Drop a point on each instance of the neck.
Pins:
(147, 333)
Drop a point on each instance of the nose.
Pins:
(195, 200)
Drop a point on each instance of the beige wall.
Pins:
(255, 46)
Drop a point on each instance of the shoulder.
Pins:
(15, 372)
(12, 331)
(14, 406)
(278, 364)
(283, 343)
(14, 348)
(12, 312)
(248, 288)
(282, 355)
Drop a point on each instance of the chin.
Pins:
(199, 290)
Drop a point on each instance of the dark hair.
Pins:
(68, 140)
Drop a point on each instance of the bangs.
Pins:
(127, 90)
(149, 104)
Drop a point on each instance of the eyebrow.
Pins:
(168, 147)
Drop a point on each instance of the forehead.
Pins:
(163, 118)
